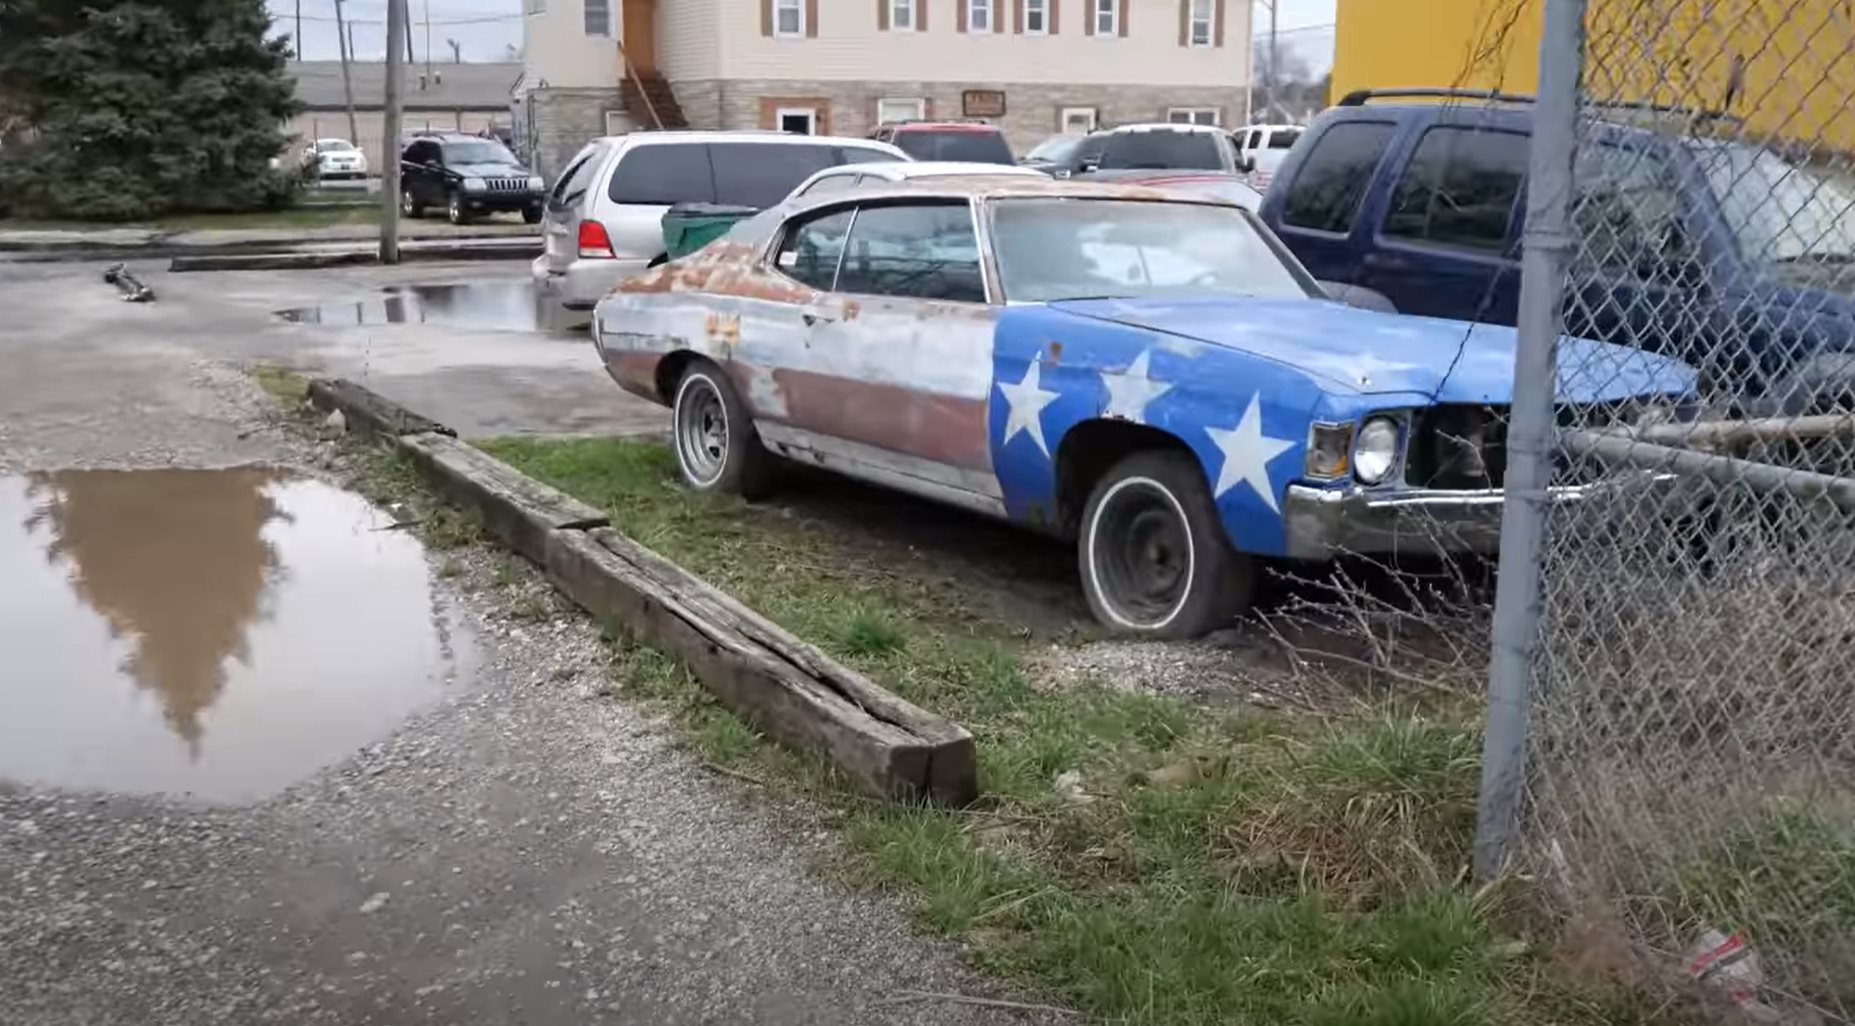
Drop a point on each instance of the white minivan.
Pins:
(604, 219)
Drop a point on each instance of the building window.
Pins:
(902, 15)
(796, 120)
(1202, 29)
(788, 17)
(1194, 115)
(978, 15)
(1107, 16)
(890, 110)
(1079, 119)
(1037, 17)
(536, 6)
(598, 17)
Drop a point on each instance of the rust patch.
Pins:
(1056, 352)
(635, 372)
(852, 308)
(722, 268)
(943, 428)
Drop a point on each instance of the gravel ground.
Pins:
(524, 851)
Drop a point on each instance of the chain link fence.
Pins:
(1674, 671)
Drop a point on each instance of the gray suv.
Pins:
(604, 218)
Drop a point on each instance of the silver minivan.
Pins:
(604, 216)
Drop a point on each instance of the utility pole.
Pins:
(1274, 56)
(347, 82)
(396, 23)
(411, 59)
(428, 38)
(457, 51)
(299, 30)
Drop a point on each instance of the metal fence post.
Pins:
(1529, 440)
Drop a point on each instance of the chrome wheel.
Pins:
(406, 205)
(701, 430)
(1140, 554)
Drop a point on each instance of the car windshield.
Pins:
(333, 146)
(1284, 138)
(1056, 149)
(1059, 248)
(477, 151)
(1778, 211)
(1162, 148)
(956, 144)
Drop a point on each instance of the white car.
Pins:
(337, 158)
(1264, 147)
(837, 179)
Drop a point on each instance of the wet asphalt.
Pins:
(454, 824)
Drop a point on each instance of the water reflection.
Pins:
(213, 632)
(487, 306)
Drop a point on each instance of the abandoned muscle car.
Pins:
(1149, 373)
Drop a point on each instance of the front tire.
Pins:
(1154, 559)
(409, 204)
(455, 212)
(531, 215)
(717, 448)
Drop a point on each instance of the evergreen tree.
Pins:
(139, 109)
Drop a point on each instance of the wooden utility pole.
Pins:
(396, 23)
(347, 82)
(299, 30)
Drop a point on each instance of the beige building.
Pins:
(1034, 67)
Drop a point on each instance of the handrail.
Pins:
(649, 107)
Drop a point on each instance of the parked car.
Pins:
(1158, 379)
(604, 218)
(467, 176)
(1700, 247)
(1061, 155)
(1223, 185)
(1261, 150)
(966, 141)
(838, 179)
(336, 159)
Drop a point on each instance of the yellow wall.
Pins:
(1797, 56)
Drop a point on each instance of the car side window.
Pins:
(423, 153)
(812, 248)
(1459, 188)
(665, 173)
(923, 251)
(1325, 194)
(576, 180)
(1625, 209)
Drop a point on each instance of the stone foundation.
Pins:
(1033, 111)
(560, 121)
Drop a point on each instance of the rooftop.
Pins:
(458, 86)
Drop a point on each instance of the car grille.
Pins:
(506, 184)
(1465, 446)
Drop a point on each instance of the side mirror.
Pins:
(1246, 164)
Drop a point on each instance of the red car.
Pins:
(971, 141)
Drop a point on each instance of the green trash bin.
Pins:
(688, 227)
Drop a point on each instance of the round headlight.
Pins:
(1376, 450)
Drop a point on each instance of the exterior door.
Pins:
(1447, 243)
(640, 35)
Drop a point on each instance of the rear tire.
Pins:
(1154, 558)
(717, 448)
(409, 204)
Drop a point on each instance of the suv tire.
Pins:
(409, 204)
(1153, 555)
(454, 209)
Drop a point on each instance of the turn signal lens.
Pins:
(1330, 448)
(594, 242)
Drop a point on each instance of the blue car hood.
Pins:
(1371, 352)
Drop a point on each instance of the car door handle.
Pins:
(1385, 262)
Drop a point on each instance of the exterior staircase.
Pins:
(650, 100)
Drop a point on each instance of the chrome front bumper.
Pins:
(1324, 522)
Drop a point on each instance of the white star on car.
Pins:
(1130, 391)
(1247, 452)
(1026, 401)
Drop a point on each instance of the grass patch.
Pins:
(306, 216)
(1142, 859)
(281, 383)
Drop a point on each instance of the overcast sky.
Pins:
(484, 29)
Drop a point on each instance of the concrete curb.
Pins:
(524, 249)
(482, 247)
(787, 688)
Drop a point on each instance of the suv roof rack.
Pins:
(1359, 97)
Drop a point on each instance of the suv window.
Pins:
(811, 250)
(923, 251)
(1459, 188)
(1326, 193)
(576, 179)
(664, 173)
(1162, 149)
(1625, 208)
(422, 153)
(977, 147)
(1284, 138)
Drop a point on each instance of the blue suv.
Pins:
(1722, 254)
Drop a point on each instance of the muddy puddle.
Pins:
(214, 633)
(482, 306)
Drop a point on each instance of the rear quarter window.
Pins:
(976, 147)
(1335, 175)
(666, 173)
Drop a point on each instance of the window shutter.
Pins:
(1088, 14)
(959, 16)
(1217, 23)
(1050, 12)
(1185, 22)
(766, 17)
(882, 15)
(811, 18)
(1120, 20)
(998, 15)
(1017, 16)
(921, 15)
